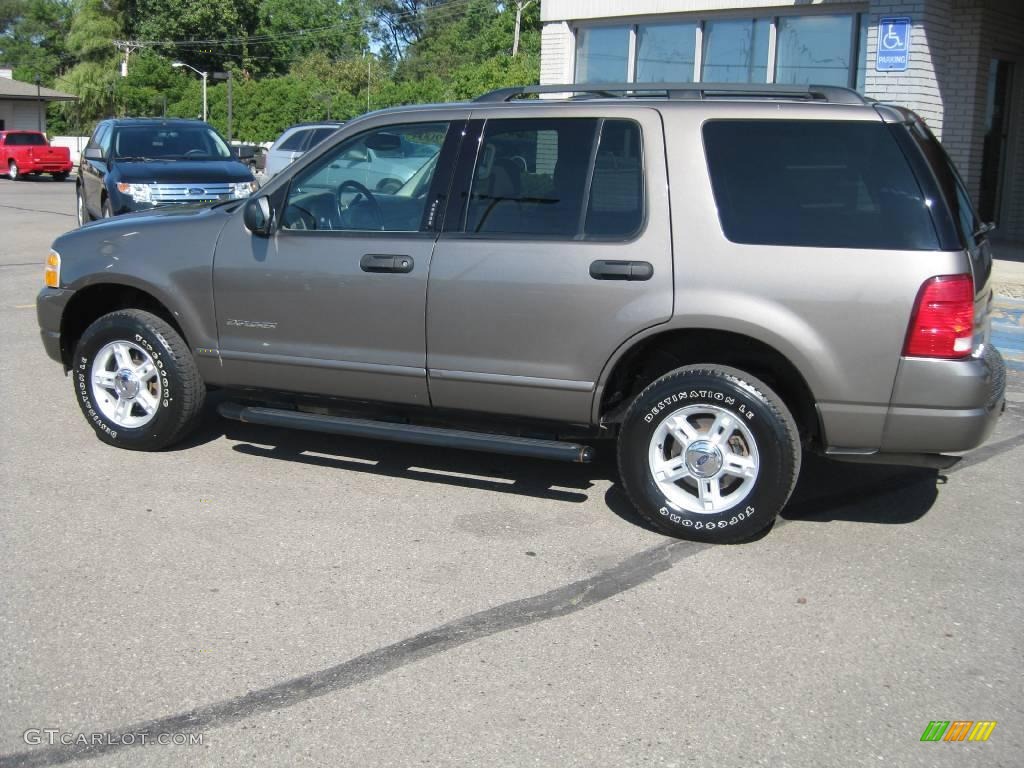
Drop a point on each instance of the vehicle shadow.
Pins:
(827, 490)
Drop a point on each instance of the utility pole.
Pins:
(39, 107)
(126, 47)
(521, 5)
(230, 104)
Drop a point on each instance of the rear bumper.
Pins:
(31, 165)
(941, 406)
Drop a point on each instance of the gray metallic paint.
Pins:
(519, 327)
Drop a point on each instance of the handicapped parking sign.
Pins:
(893, 44)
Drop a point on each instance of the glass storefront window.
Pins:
(813, 49)
(736, 51)
(602, 54)
(862, 51)
(665, 53)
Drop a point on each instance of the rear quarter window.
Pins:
(815, 183)
(295, 142)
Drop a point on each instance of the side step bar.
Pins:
(407, 433)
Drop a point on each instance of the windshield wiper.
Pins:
(140, 159)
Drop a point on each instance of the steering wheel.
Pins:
(367, 195)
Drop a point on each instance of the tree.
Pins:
(32, 37)
(216, 31)
(289, 30)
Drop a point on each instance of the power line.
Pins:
(451, 6)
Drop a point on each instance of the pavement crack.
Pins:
(626, 575)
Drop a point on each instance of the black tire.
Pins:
(107, 210)
(62, 176)
(182, 391)
(730, 393)
(12, 171)
(81, 210)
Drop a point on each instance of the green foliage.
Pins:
(94, 27)
(292, 60)
(33, 35)
(335, 29)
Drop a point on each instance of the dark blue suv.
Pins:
(136, 164)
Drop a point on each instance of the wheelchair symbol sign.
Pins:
(893, 44)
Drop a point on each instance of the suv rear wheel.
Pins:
(12, 171)
(709, 453)
(136, 382)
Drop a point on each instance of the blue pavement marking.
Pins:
(1008, 331)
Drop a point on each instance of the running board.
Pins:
(407, 433)
(926, 460)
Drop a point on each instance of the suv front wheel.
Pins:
(136, 381)
(709, 453)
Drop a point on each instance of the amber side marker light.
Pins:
(51, 275)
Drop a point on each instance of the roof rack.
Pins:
(832, 94)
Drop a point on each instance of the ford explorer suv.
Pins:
(138, 164)
(28, 153)
(705, 280)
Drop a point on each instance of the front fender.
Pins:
(167, 254)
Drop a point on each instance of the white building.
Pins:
(962, 70)
(23, 105)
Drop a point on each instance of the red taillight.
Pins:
(942, 324)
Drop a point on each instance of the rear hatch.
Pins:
(955, 217)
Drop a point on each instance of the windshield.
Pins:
(161, 142)
(25, 140)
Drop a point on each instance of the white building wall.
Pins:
(20, 115)
(557, 52)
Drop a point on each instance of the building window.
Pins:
(602, 54)
(665, 53)
(813, 49)
(736, 51)
(826, 49)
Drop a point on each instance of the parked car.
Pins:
(137, 164)
(294, 142)
(28, 153)
(706, 280)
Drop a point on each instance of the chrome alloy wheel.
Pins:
(703, 459)
(126, 384)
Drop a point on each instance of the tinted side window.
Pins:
(815, 183)
(294, 142)
(530, 177)
(354, 188)
(319, 135)
(616, 206)
(103, 139)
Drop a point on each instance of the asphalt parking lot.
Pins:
(296, 600)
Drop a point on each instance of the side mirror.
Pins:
(357, 155)
(93, 153)
(245, 152)
(258, 216)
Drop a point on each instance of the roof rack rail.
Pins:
(833, 94)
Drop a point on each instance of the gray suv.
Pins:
(706, 279)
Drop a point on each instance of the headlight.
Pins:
(243, 189)
(140, 193)
(51, 275)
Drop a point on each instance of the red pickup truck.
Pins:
(28, 152)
